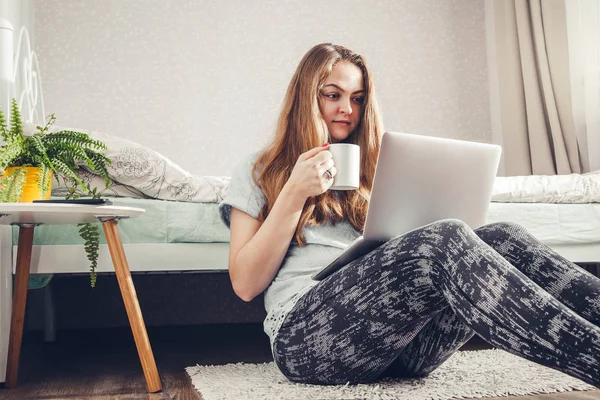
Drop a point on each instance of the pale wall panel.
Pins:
(202, 81)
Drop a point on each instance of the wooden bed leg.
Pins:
(17, 317)
(132, 306)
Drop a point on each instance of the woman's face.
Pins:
(341, 100)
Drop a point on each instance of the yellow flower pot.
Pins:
(31, 187)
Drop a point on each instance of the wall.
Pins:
(202, 81)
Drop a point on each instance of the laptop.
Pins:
(419, 180)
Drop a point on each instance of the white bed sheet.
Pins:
(573, 230)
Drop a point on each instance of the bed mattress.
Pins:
(163, 222)
(179, 222)
(191, 236)
(553, 224)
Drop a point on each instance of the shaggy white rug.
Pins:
(467, 374)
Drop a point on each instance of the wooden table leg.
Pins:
(132, 306)
(17, 317)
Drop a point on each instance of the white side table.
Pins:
(27, 216)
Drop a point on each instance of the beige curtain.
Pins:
(538, 131)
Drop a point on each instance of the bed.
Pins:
(185, 236)
(182, 231)
(561, 211)
(177, 236)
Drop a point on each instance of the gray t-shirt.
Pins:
(323, 244)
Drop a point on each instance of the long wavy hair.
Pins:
(301, 127)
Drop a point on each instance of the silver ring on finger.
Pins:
(329, 175)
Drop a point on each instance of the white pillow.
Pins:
(138, 171)
(571, 188)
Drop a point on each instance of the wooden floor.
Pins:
(103, 364)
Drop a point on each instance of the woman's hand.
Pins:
(313, 173)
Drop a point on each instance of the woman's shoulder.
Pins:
(244, 166)
(243, 193)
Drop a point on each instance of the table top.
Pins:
(55, 214)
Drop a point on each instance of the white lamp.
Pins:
(6, 65)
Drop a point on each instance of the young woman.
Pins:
(407, 306)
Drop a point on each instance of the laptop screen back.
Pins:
(421, 179)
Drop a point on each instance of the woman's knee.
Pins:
(435, 238)
(430, 243)
(502, 229)
(452, 226)
(510, 228)
(505, 225)
(437, 229)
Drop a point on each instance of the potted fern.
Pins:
(28, 163)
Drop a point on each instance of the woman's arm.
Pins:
(256, 250)
(261, 247)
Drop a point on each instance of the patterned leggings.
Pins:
(406, 307)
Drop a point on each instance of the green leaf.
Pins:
(11, 186)
(36, 141)
(9, 153)
(16, 126)
(44, 182)
(4, 127)
(91, 235)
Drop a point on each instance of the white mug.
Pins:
(346, 159)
